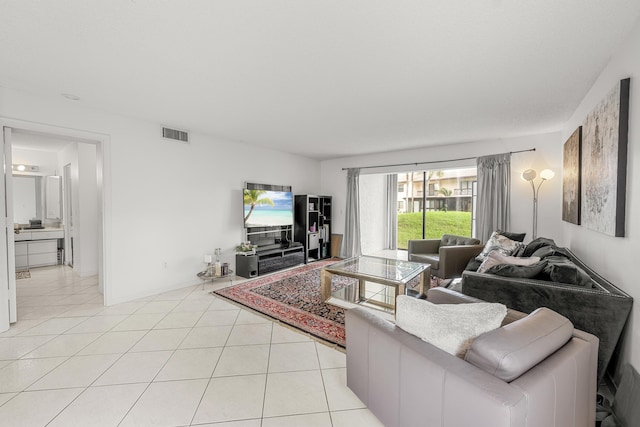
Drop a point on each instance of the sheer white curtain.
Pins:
(351, 240)
(391, 232)
(494, 193)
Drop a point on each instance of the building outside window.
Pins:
(448, 204)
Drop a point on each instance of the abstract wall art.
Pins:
(571, 161)
(604, 163)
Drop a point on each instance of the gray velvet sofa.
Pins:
(592, 303)
(406, 381)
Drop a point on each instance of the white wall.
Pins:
(86, 226)
(616, 258)
(85, 207)
(548, 154)
(373, 209)
(169, 202)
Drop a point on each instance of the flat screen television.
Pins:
(267, 208)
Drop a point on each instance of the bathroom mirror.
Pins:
(53, 207)
(26, 198)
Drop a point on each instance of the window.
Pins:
(446, 206)
(466, 187)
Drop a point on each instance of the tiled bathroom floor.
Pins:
(176, 359)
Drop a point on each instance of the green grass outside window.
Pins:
(438, 223)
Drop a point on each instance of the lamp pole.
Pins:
(530, 175)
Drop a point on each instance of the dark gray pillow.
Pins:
(544, 251)
(518, 237)
(562, 270)
(536, 244)
(473, 265)
(518, 271)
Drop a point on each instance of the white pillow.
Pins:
(496, 258)
(500, 243)
(451, 327)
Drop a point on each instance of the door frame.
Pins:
(7, 250)
(103, 173)
(68, 215)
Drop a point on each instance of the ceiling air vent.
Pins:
(178, 135)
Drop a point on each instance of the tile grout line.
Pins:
(216, 365)
(165, 363)
(98, 377)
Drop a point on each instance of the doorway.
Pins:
(7, 252)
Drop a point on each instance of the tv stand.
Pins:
(278, 258)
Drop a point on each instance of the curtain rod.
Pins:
(432, 161)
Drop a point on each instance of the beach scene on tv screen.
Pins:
(264, 208)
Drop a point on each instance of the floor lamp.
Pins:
(530, 175)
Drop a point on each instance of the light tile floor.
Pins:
(176, 359)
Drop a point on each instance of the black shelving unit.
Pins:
(313, 226)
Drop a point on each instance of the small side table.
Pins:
(209, 274)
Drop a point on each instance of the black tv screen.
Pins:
(266, 208)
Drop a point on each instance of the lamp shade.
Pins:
(529, 175)
(547, 174)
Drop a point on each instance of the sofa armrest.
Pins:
(598, 312)
(423, 246)
(454, 259)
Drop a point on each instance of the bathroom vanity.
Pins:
(38, 248)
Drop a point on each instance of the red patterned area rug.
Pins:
(293, 297)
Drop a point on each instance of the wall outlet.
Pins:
(164, 264)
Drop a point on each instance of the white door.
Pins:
(67, 215)
(8, 313)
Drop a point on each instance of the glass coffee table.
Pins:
(379, 281)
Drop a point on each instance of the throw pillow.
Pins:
(500, 243)
(496, 258)
(536, 244)
(450, 327)
(519, 252)
(473, 265)
(518, 237)
(544, 251)
(562, 270)
(518, 271)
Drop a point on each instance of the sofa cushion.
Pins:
(451, 240)
(495, 258)
(512, 350)
(451, 327)
(500, 243)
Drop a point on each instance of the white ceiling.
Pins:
(320, 78)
